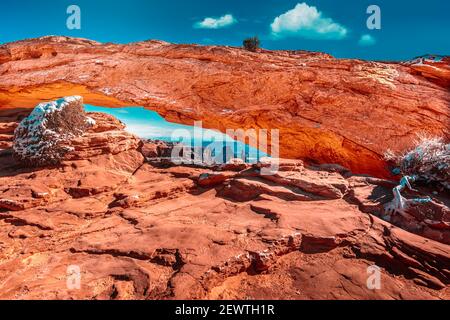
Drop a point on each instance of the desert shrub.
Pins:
(252, 44)
(429, 160)
(43, 138)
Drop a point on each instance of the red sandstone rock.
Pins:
(8, 123)
(213, 179)
(328, 110)
(141, 232)
(245, 189)
(234, 165)
(436, 68)
(156, 149)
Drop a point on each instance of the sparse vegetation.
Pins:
(252, 44)
(43, 138)
(429, 160)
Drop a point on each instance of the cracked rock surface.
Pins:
(137, 230)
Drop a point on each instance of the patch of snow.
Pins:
(106, 91)
(226, 111)
(35, 141)
(91, 122)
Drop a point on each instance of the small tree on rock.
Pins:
(252, 44)
(429, 160)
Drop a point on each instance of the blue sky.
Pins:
(408, 28)
(150, 125)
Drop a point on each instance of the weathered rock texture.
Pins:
(436, 68)
(328, 110)
(138, 231)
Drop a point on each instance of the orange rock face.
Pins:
(435, 68)
(136, 230)
(347, 112)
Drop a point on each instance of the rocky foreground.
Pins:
(137, 228)
(329, 110)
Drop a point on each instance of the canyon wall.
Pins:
(327, 110)
(136, 227)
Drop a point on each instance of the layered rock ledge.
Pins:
(328, 110)
(138, 230)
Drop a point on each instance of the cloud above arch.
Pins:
(307, 22)
(367, 40)
(216, 23)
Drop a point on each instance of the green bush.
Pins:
(252, 44)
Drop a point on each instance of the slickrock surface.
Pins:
(139, 231)
(328, 110)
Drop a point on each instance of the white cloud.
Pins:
(308, 22)
(216, 23)
(367, 40)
